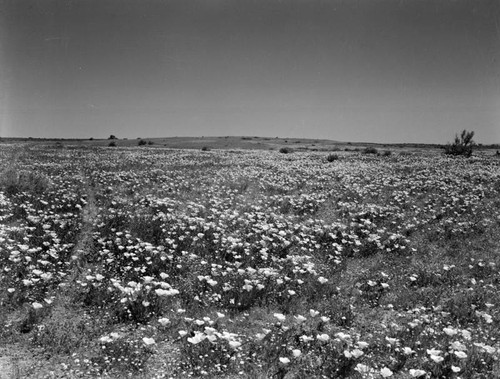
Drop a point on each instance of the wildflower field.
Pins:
(160, 263)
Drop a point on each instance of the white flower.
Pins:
(433, 351)
(322, 280)
(234, 344)
(417, 373)
(105, 339)
(437, 358)
(164, 321)
(300, 318)
(323, 337)
(296, 353)
(148, 341)
(385, 372)
(260, 336)
(305, 338)
(182, 333)
(455, 368)
(198, 337)
(280, 316)
(356, 353)
(457, 345)
(284, 360)
(466, 334)
(362, 369)
(313, 313)
(450, 331)
(460, 354)
(407, 350)
(325, 319)
(37, 305)
(362, 344)
(343, 336)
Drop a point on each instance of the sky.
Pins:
(387, 71)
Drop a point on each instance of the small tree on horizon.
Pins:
(462, 145)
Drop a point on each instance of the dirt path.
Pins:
(84, 239)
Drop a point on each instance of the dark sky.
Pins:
(351, 70)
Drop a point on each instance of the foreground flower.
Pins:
(280, 316)
(460, 354)
(234, 344)
(296, 353)
(323, 337)
(362, 369)
(313, 313)
(284, 360)
(37, 305)
(198, 337)
(148, 341)
(386, 372)
(417, 373)
(164, 321)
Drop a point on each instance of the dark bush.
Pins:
(332, 157)
(142, 143)
(205, 148)
(286, 150)
(386, 153)
(112, 144)
(112, 136)
(462, 145)
(370, 150)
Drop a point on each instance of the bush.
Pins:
(112, 144)
(112, 136)
(462, 145)
(141, 143)
(370, 150)
(386, 153)
(13, 181)
(286, 150)
(205, 148)
(150, 143)
(332, 157)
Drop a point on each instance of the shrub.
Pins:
(386, 153)
(286, 150)
(13, 181)
(332, 157)
(141, 143)
(150, 143)
(370, 150)
(462, 145)
(112, 144)
(205, 148)
(112, 136)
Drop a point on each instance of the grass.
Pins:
(252, 264)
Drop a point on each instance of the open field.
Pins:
(243, 262)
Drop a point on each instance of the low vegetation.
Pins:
(463, 144)
(156, 263)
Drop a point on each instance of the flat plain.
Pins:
(247, 257)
